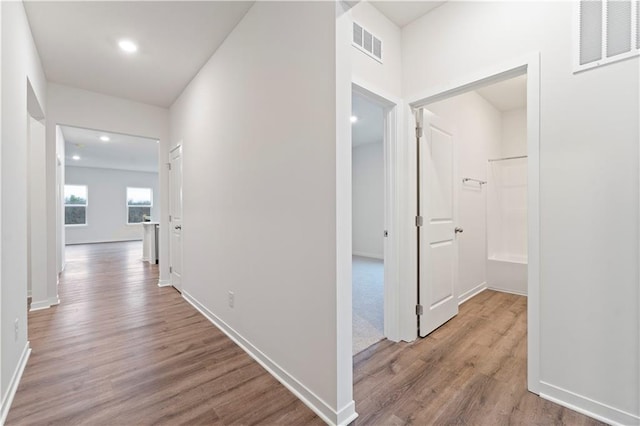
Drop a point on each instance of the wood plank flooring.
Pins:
(471, 371)
(120, 351)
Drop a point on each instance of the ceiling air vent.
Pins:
(367, 43)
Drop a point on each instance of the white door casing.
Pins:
(437, 258)
(175, 219)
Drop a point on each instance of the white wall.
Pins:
(507, 195)
(589, 136)
(386, 77)
(107, 204)
(478, 128)
(261, 209)
(514, 133)
(37, 217)
(368, 200)
(19, 63)
(81, 108)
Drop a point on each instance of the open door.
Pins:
(175, 217)
(437, 248)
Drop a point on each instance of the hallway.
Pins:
(121, 350)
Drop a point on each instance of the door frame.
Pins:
(392, 134)
(529, 65)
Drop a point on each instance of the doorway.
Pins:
(506, 182)
(472, 198)
(380, 267)
(368, 206)
(110, 192)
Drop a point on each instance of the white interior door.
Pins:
(175, 217)
(437, 233)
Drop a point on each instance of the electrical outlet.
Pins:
(232, 299)
(15, 329)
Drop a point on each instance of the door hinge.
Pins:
(419, 310)
(386, 233)
(170, 269)
(419, 221)
(169, 218)
(418, 131)
(169, 164)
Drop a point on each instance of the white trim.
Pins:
(342, 417)
(102, 242)
(587, 406)
(471, 293)
(164, 283)
(369, 255)
(504, 290)
(529, 64)
(45, 304)
(394, 302)
(15, 381)
(38, 306)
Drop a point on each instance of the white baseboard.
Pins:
(125, 240)
(164, 283)
(587, 406)
(15, 381)
(341, 417)
(506, 290)
(44, 304)
(471, 293)
(370, 255)
(37, 306)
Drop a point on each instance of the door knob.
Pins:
(459, 230)
(178, 226)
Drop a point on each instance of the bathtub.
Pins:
(507, 273)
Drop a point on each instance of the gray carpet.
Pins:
(368, 302)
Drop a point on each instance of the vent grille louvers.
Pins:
(608, 31)
(367, 42)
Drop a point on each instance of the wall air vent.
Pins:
(606, 31)
(367, 43)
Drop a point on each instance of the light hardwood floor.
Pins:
(120, 351)
(470, 371)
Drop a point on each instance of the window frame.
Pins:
(128, 206)
(85, 205)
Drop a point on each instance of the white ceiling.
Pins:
(122, 152)
(370, 125)
(78, 43)
(403, 12)
(506, 95)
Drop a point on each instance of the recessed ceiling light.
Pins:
(128, 46)
(104, 138)
(76, 157)
(354, 118)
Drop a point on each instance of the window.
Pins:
(607, 31)
(139, 203)
(75, 205)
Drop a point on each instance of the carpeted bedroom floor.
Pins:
(368, 302)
